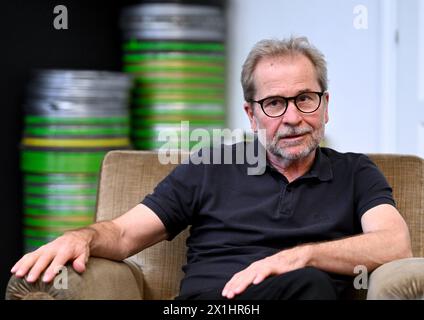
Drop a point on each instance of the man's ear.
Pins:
(326, 102)
(248, 108)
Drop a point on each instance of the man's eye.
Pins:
(304, 97)
(274, 103)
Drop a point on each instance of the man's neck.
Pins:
(292, 169)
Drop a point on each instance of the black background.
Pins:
(29, 40)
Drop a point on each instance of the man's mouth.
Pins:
(293, 137)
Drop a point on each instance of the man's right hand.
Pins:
(72, 246)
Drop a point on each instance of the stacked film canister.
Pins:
(175, 51)
(72, 118)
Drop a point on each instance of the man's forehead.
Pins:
(295, 74)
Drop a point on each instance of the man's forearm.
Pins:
(369, 249)
(104, 240)
(117, 239)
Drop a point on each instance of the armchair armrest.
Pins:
(398, 280)
(102, 279)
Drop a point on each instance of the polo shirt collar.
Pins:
(321, 167)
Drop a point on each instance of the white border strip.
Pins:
(420, 140)
(388, 66)
(420, 51)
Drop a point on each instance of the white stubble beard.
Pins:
(313, 140)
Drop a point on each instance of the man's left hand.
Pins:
(279, 263)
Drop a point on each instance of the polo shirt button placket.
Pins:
(286, 199)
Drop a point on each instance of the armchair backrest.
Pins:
(127, 176)
(406, 176)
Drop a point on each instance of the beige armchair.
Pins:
(155, 273)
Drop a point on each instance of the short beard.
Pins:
(289, 157)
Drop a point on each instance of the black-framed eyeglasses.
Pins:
(276, 106)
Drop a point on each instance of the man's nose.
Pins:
(292, 115)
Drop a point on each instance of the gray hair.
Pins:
(275, 48)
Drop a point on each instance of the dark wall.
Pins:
(29, 41)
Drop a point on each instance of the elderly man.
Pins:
(296, 231)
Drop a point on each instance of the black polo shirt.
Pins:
(238, 218)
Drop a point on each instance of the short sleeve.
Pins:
(371, 187)
(176, 198)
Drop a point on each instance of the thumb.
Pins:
(79, 263)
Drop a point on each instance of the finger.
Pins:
(80, 262)
(238, 284)
(259, 278)
(40, 265)
(58, 262)
(242, 284)
(16, 266)
(22, 267)
(230, 284)
(228, 287)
